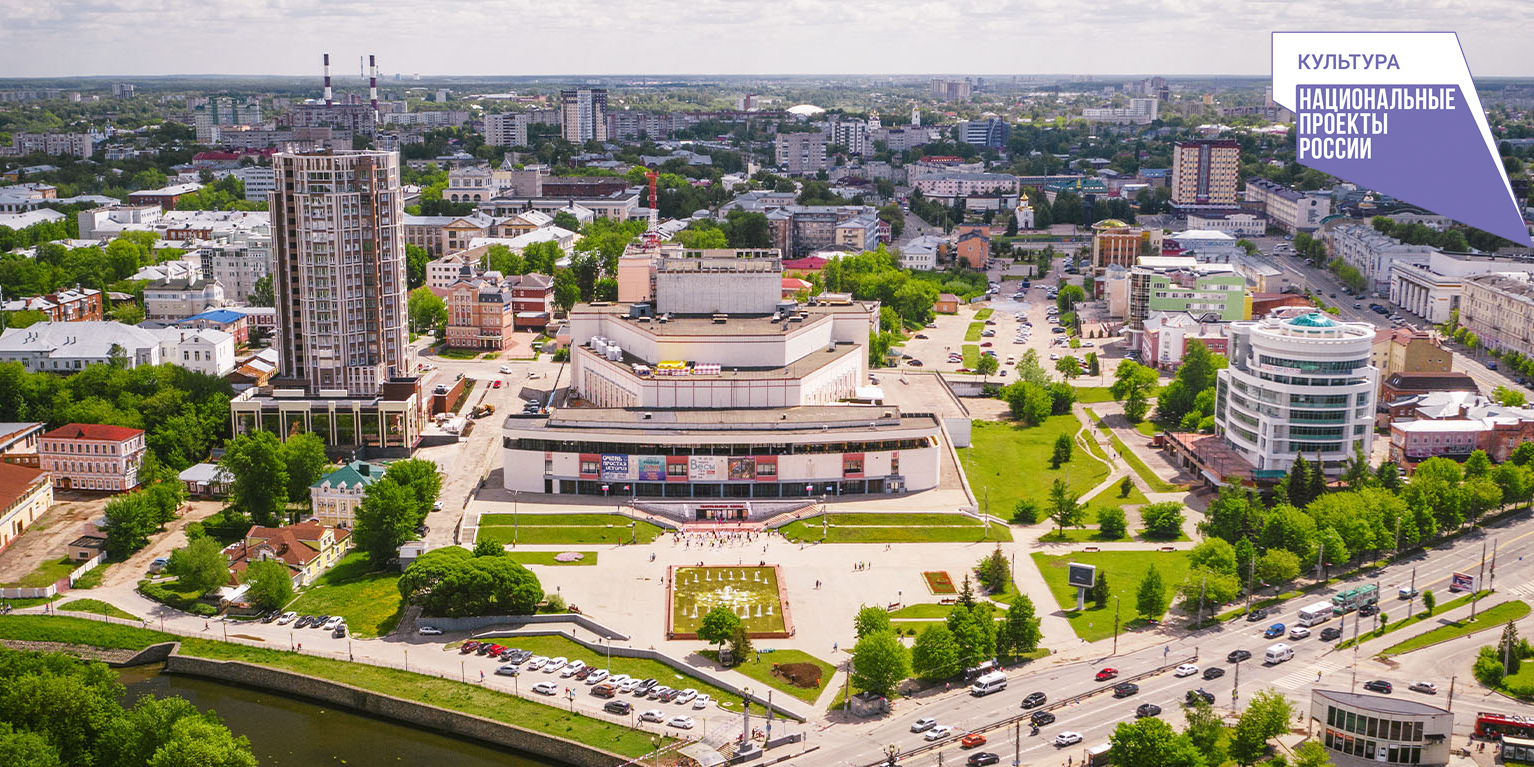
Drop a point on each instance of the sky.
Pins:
(556, 37)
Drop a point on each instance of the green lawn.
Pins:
(83, 631)
(1155, 483)
(1079, 535)
(1124, 570)
(700, 589)
(972, 333)
(1521, 684)
(553, 646)
(984, 314)
(547, 558)
(369, 600)
(1110, 497)
(564, 529)
(1148, 428)
(1490, 618)
(809, 530)
(1002, 453)
(47, 573)
(760, 669)
(1412, 621)
(458, 354)
(97, 607)
(971, 355)
(1091, 394)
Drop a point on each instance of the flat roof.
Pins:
(799, 368)
(732, 325)
(1384, 704)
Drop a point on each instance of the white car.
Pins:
(546, 688)
(923, 724)
(597, 676)
(701, 701)
(536, 662)
(1299, 632)
(288, 617)
(628, 685)
(573, 669)
(618, 679)
(331, 624)
(681, 722)
(1054, 356)
(1067, 738)
(687, 694)
(652, 715)
(1186, 669)
(939, 732)
(555, 664)
(505, 370)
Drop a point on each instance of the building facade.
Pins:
(1296, 386)
(506, 129)
(583, 114)
(1434, 290)
(1499, 310)
(480, 313)
(89, 456)
(1204, 173)
(800, 153)
(1372, 253)
(1288, 209)
(340, 285)
(25, 495)
(1368, 730)
(78, 305)
(334, 498)
(308, 549)
(175, 299)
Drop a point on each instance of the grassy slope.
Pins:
(1002, 452)
(1124, 570)
(369, 600)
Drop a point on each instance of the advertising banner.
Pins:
(742, 468)
(1464, 582)
(615, 466)
(704, 468)
(652, 468)
(1081, 576)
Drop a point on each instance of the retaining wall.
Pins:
(482, 622)
(396, 709)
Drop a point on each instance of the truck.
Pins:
(1319, 612)
(1278, 654)
(994, 681)
(1354, 598)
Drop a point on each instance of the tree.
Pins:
(1163, 521)
(1311, 754)
(1508, 397)
(420, 477)
(1277, 566)
(1064, 511)
(1150, 598)
(427, 310)
(987, 366)
(486, 547)
(1429, 601)
(870, 620)
(1523, 455)
(966, 596)
(1026, 512)
(200, 566)
(935, 654)
(1112, 524)
(1062, 452)
(1298, 482)
(1068, 367)
(1217, 587)
(879, 662)
(1266, 716)
(416, 258)
(1205, 729)
(1019, 632)
(260, 484)
(304, 457)
(1488, 667)
(1100, 592)
(1126, 487)
(974, 629)
(452, 582)
(1508, 648)
(1093, 366)
(271, 585)
(1151, 742)
(129, 523)
(718, 625)
(740, 644)
(1214, 554)
(1133, 384)
(385, 519)
(567, 292)
(994, 571)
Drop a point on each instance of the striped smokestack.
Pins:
(373, 84)
(327, 80)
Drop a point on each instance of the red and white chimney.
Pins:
(373, 84)
(328, 99)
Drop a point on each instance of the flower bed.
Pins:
(938, 582)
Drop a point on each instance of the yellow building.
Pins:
(308, 549)
(25, 494)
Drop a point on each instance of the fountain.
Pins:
(758, 611)
(732, 574)
(756, 576)
(705, 577)
(769, 611)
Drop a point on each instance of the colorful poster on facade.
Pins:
(703, 468)
(742, 468)
(652, 468)
(615, 466)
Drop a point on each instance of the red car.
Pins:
(496, 384)
(972, 740)
(495, 650)
(1106, 674)
(986, 343)
(468, 647)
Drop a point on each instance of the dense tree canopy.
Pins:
(452, 582)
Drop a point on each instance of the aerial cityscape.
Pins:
(860, 419)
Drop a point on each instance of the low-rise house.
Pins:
(68, 347)
(206, 480)
(307, 548)
(177, 299)
(335, 496)
(78, 305)
(25, 494)
(92, 456)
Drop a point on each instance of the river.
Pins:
(289, 732)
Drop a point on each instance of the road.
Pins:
(1315, 665)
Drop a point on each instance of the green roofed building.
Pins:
(336, 495)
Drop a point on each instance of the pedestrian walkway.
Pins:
(1307, 676)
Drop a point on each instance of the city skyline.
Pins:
(584, 37)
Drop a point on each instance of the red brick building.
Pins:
(532, 297)
(78, 305)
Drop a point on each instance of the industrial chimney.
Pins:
(373, 85)
(327, 80)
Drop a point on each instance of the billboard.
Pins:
(703, 468)
(615, 466)
(1081, 576)
(1464, 582)
(742, 468)
(652, 468)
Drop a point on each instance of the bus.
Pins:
(1319, 612)
(1490, 726)
(1354, 598)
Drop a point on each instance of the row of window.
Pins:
(84, 448)
(1363, 748)
(560, 446)
(1373, 727)
(1312, 366)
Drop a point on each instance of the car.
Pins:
(914, 363)
(645, 686)
(1427, 687)
(339, 632)
(628, 686)
(1236, 656)
(931, 324)
(1357, 305)
(554, 665)
(1214, 672)
(652, 715)
(985, 344)
(505, 370)
(1368, 610)
(1054, 356)
(1257, 615)
(1106, 674)
(987, 333)
(303, 621)
(981, 759)
(546, 688)
(596, 675)
(581, 675)
(1330, 632)
(922, 336)
(1194, 695)
(158, 564)
(1186, 669)
(604, 690)
(1041, 718)
(508, 669)
(923, 724)
(1147, 709)
(495, 651)
(1406, 592)
(671, 695)
(622, 707)
(483, 648)
(681, 722)
(1034, 700)
(1378, 685)
(939, 732)
(1067, 738)
(655, 693)
(468, 647)
(290, 616)
(972, 740)
(1125, 689)
(702, 701)
(1274, 631)
(496, 384)
(1057, 329)
(536, 662)
(1299, 632)
(573, 668)
(687, 695)
(1333, 295)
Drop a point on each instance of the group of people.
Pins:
(718, 539)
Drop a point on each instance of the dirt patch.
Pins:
(806, 675)
(49, 537)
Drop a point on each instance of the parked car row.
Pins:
(335, 624)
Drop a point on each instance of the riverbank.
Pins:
(440, 704)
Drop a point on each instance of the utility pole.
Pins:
(1376, 606)
(1475, 593)
(1115, 624)
(1202, 582)
(1354, 683)
(1413, 598)
(1251, 580)
(1493, 583)
(1320, 556)
(1017, 743)
(1450, 706)
(1235, 690)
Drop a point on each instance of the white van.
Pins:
(988, 683)
(1278, 654)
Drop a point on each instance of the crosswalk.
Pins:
(1306, 675)
(1522, 589)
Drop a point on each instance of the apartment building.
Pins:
(237, 266)
(949, 186)
(1288, 209)
(1499, 310)
(91, 456)
(480, 313)
(949, 90)
(506, 129)
(1434, 290)
(335, 497)
(1208, 292)
(1372, 253)
(1402, 350)
(583, 114)
(991, 132)
(851, 134)
(1139, 112)
(78, 305)
(80, 145)
(165, 197)
(801, 153)
(1117, 243)
(1204, 173)
(179, 298)
(798, 230)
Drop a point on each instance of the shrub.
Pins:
(1111, 523)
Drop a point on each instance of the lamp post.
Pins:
(515, 527)
(1115, 624)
